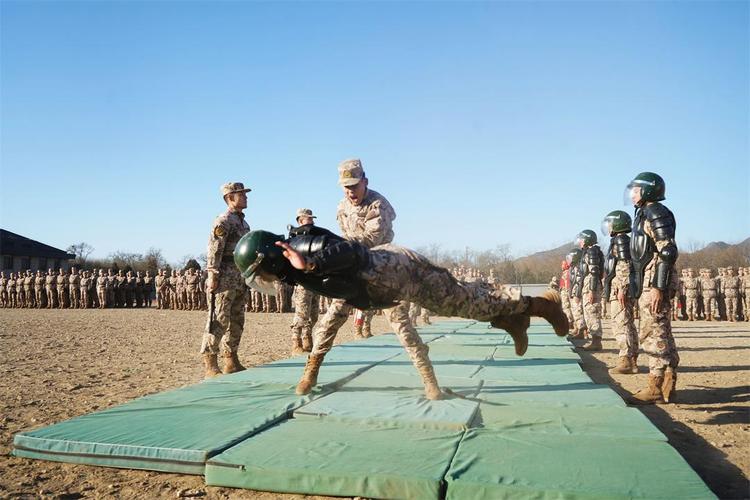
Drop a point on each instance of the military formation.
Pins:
(706, 297)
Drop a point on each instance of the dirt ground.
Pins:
(55, 365)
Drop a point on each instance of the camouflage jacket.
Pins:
(227, 230)
(369, 223)
(692, 287)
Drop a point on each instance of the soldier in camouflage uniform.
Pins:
(720, 297)
(10, 289)
(4, 289)
(102, 283)
(83, 290)
(225, 286)
(590, 286)
(746, 294)
(62, 289)
(564, 292)
(382, 276)
(39, 294)
(708, 287)
(691, 286)
(617, 224)
(731, 287)
(148, 289)
(654, 253)
(576, 304)
(20, 292)
(191, 288)
(676, 301)
(74, 288)
(306, 303)
(50, 287)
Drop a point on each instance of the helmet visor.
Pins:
(578, 242)
(606, 226)
(632, 195)
(261, 284)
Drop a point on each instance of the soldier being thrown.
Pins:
(381, 277)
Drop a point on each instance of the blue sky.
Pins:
(483, 123)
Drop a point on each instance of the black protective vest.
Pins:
(338, 263)
(643, 247)
(619, 249)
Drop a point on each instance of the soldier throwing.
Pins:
(617, 225)
(653, 282)
(381, 277)
(224, 285)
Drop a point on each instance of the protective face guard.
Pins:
(261, 284)
(627, 195)
(606, 228)
(578, 242)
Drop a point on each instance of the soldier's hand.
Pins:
(590, 297)
(656, 297)
(211, 282)
(294, 257)
(621, 298)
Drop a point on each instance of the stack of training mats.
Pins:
(510, 427)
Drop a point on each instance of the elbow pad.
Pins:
(667, 258)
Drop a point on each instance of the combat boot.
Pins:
(579, 334)
(297, 346)
(307, 342)
(710, 317)
(358, 331)
(594, 345)
(549, 307)
(691, 317)
(669, 385)
(625, 366)
(516, 325)
(366, 333)
(310, 376)
(232, 363)
(431, 388)
(651, 394)
(211, 365)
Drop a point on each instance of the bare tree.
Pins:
(81, 250)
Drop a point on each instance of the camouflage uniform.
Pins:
(101, 289)
(191, 284)
(62, 289)
(74, 289)
(50, 286)
(565, 295)
(746, 294)
(173, 296)
(709, 286)
(4, 290)
(691, 286)
(623, 325)
(592, 311)
(230, 294)
(148, 288)
(39, 294)
(10, 288)
(306, 314)
(731, 287)
(20, 291)
(84, 290)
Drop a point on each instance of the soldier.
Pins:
(226, 289)
(159, 284)
(101, 289)
(111, 288)
(731, 287)
(574, 260)
(383, 276)
(120, 288)
(173, 281)
(746, 294)
(654, 252)
(708, 287)
(138, 289)
(10, 288)
(691, 286)
(617, 224)
(565, 292)
(28, 284)
(306, 303)
(720, 298)
(590, 286)
(676, 304)
(191, 285)
(20, 292)
(148, 289)
(74, 288)
(554, 284)
(62, 289)
(4, 290)
(83, 285)
(39, 295)
(50, 287)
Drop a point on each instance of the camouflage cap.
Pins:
(233, 187)
(305, 212)
(350, 172)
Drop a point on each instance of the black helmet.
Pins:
(652, 186)
(616, 222)
(587, 237)
(574, 257)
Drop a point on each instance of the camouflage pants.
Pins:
(656, 335)
(51, 297)
(731, 305)
(61, 302)
(623, 328)
(577, 308)
(592, 315)
(306, 312)
(39, 294)
(710, 305)
(746, 305)
(691, 306)
(225, 331)
(75, 297)
(417, 311)
(565, 297)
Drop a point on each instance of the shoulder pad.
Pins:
(662, 221)
(656, 211)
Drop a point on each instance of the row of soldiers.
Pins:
(726, 296)
(75, 290)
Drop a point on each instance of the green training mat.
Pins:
(173, 431)
(519, 465)
(320, 457)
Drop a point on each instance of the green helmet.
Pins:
(574, 257)
(256, 251)
(616, 222)
(587, 237)
(651, 184)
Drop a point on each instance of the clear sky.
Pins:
(483, 123)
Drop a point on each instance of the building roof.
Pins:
(20, 246)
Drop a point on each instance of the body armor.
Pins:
(619, 250)
(592, 264)
(643, 247)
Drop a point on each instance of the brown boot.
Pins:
(358, 331)
(691, 317)
(594, 345)
(307, 343)
(297, 346)
(431, 388)
(366, 333)
(549, 307)
(211, 365)
(624, 366)
(669, 385)
(578, 334)
(310, 376)
(710, 317)
(232, 363)
(649, 395)
(516, 325)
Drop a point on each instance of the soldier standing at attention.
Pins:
(20, 291)
(10, 287)
(84, 290)
(62, 288)
(708, 286)
(138, 289)
(50, 286)
(731, 293)
(148, 289)
(654, 252)
(191, 283)
(225, 287)
(720, 297)
(101, 289)
(3, 289)
(306, 303)
(28, 288)
(746, 294)
(590, 286)
(617, 225)
(159, 284)
(574, 260)
(74, 288)
(39, 289)
(691, 285)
